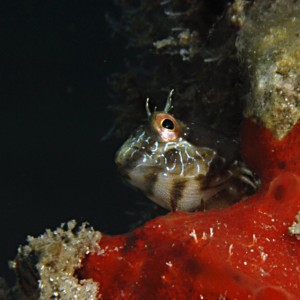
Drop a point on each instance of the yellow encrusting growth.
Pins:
(270, 46)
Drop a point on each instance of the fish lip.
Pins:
(123, 172)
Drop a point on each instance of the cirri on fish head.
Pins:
(177, 175)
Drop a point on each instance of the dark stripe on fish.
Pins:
(150, 180)
(177, 192)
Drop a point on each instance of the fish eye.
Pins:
(168, 124)
(168, 128)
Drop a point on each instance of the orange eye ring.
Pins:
(166, 126)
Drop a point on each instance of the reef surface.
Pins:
(247, 251)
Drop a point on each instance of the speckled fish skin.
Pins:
(178, 175)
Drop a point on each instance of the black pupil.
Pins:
(168, 124)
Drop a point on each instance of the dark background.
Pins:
(55, 58)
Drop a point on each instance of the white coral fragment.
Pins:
(186, 44)
(295, 228)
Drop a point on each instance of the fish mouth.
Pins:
(123, 172)
(125, 168)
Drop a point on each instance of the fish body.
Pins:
(176, 174)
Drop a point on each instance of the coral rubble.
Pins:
(45, 267)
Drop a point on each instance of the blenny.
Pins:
(176, 174)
